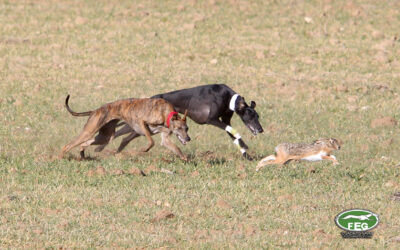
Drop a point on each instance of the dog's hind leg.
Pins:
(89, 130)
(84, 137)
(106, 134)
(166, 142)
(124, 130)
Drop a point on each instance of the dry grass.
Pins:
(315, 68)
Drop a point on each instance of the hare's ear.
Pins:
(184, 116)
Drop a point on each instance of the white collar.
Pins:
(233, 102)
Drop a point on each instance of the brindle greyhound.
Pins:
(208, 104)
(144, 116)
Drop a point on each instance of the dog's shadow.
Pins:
(71, 157)
(208, 157)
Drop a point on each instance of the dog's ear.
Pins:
(184, 116)
(240, 103)
(253, 104)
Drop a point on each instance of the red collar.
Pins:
(170, 115)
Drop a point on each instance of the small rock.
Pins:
(214, 61)
(308, 19)
(166, 171)
(365, 108)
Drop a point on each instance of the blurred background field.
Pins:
(314, 68)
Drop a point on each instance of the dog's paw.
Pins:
(247, 156)
(184, 158)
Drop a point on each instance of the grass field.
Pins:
(315, 68)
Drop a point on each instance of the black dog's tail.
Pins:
(75, 113)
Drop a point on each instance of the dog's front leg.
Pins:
(147, 133)
(237, 136)
(166, 142)
(227, 120)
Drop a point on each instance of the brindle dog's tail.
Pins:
(73, 112)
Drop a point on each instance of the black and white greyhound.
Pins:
(208, 104)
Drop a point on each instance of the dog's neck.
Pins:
(232, 103)
(170, 115)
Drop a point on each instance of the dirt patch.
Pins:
(391, 183)
(384, 122)
(387, 143)
(286, 197)
(136, 171)
(396, 196)
(195, 173)
(162, 215)
(223, 204)
(118, 172)
(151, 169)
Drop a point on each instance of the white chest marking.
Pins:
(316, 157)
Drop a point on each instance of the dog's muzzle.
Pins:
(184, 140)
(254, 130)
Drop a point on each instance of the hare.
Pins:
(316, 151)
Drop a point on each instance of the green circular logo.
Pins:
(357, 220)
